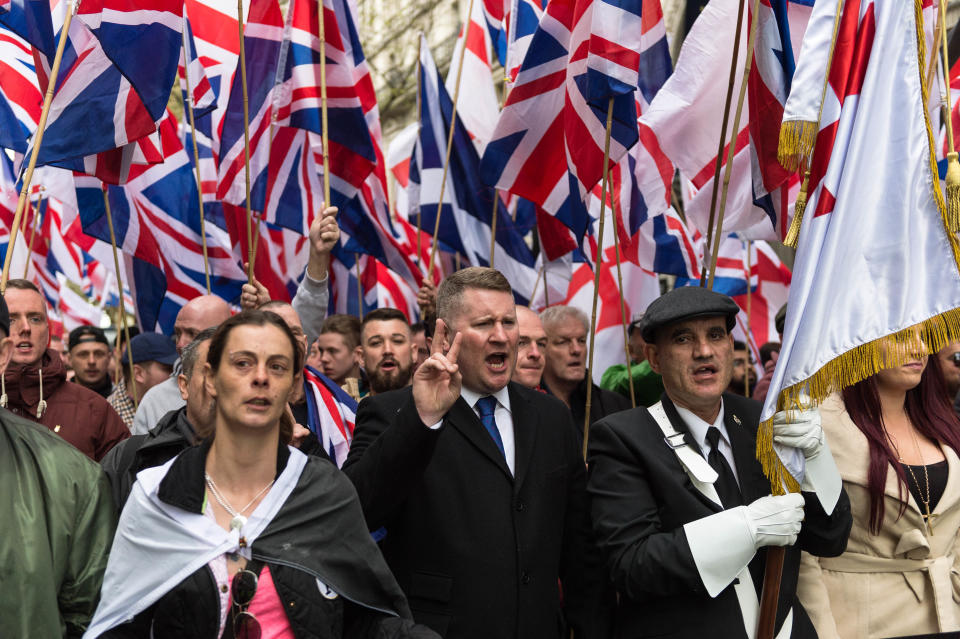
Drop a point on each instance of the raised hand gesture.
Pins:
(436, 384)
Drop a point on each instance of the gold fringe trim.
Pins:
(797, 139)
(890, 351)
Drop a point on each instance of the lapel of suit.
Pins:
(526, 422)
(681, 427)
(465, 420)
(743, 441)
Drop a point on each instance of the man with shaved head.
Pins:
(196, 315)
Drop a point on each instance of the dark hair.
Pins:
(767, 351)
(634, 326)
(255, 317)
(419, 327)
(120, 339)
(739, 346)
(929, 410)
(23, 285)
(383, 315)
(346, 325)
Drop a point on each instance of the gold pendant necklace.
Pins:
(925, 498)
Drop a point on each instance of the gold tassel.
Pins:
(793, 233)
(797, 138)
(953, 193)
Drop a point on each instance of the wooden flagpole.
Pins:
(41, 125)
(596, 278)
(453, 122)
(746, 377)
(246, 144)
(493, 226)
(419, 127)
(728, 169)
(536, 284)
(123, 312)
(33, 232)
(324, 124)
(623, 302)
(356, 259)
(196, 160)
(23, 232)
(723, 130)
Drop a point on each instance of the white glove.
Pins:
(723, 544)
(799, 429)
(775, 520)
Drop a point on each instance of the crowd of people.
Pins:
(464, 507)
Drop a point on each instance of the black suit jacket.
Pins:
(478, 551)
(642, 497)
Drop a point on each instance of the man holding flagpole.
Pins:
(681, 507)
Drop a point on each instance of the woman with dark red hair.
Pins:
(895, 439)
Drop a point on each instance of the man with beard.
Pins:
(387, 347)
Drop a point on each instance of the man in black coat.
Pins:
(681, 507)
(478, 481)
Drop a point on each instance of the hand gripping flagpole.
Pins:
(453, 122)
(123, 312)
(41, 125)
(596, 278)
(196, 157)
(623, 302)
(723, 132)
(246, 144)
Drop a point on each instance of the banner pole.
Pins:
(596, 278)
(123, 312)
(196, 158)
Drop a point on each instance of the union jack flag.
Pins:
(199, 91)
(477, 103)
(20, 96)
(143, 38)
(95, 110)
(157, 221)
(332, 414)
(582, 54)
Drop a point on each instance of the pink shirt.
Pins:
(268, 609)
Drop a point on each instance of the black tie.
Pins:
(726, 484)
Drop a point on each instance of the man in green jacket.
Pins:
(56, 525)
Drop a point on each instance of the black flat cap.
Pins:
(686, 302)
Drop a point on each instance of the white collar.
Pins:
(699, 427)
(471, 397)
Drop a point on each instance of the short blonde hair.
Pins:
(450, 292)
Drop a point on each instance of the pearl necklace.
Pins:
(238, 521)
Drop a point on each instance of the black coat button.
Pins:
(521, 506)
(524, 578)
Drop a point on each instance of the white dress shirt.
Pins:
(698, 428)
(504, 418)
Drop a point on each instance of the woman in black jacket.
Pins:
(244, 536)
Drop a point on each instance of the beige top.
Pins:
(900, 582)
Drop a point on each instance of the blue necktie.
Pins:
(487, 405)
